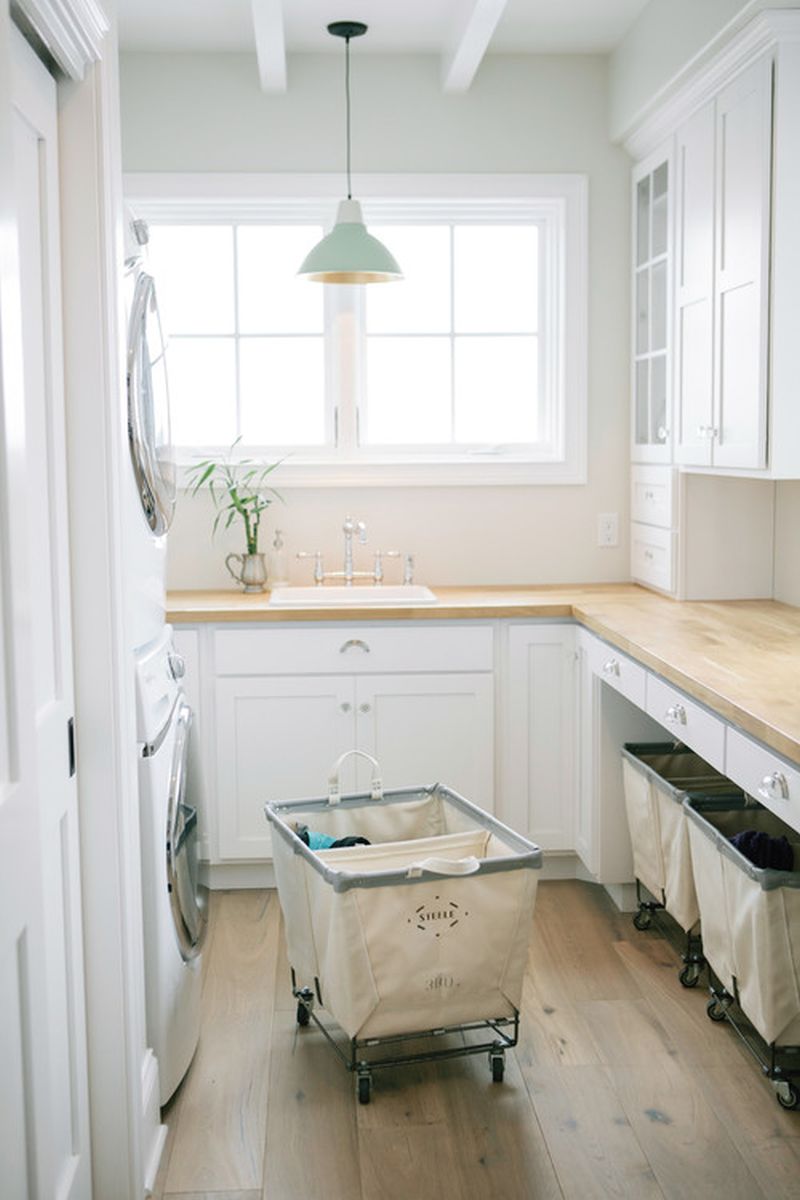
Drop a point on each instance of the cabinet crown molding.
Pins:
(71, 31)
(705, 76)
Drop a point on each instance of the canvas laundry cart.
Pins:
(751, 936)
(657, 777)
(420, 935)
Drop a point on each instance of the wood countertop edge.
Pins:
(238, 611)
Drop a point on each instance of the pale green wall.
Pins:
(206, 113)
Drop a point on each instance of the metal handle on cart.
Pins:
(376, 787)
(445, 866)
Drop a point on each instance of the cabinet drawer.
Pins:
(652, 556)
(765, 776)
(652, 496)
(353, 650)
(687, 721)
(617, 670)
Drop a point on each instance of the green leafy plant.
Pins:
(238, 489)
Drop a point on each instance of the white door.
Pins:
(277, 738)
(426, 729)
(694, 288)
(743, 162)
(45, 1126)
(539, 771)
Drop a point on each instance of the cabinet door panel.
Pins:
(694, 287)
(538, 789)
(425, 729)
(742, 252)
(276, 740)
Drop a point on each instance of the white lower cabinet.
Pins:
(279, 734)
(537, 797)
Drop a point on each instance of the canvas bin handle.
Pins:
(376, 787)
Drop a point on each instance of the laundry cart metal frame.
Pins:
(676, 787)
(779, 1064)
(367, 1054)
(363, 1067)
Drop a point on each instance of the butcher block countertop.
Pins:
(741, 658)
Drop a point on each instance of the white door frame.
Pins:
(125, 1134)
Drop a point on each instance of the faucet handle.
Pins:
(408, 568)
(350, 527)
(319, 572)
(380, 555)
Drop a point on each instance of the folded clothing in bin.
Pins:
(424, 929)
(750, 916)
(657, 777)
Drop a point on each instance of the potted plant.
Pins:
(238, 489)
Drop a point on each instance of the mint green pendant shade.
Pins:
(349, 254)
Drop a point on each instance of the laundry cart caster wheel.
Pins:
(643, 919)
(364, 1088)
(689, 976)
(498, 1062)
(715, 1010)
(303, 1015)
(787, 1094)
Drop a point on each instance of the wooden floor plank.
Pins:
(627, 1032)
(498, 1145)
(570, 943)
(552, 1031)
(219, 1143)
(595, 1151)
(311, 1149)
(248, 1195)
(687, 1146)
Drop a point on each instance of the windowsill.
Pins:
(397, 473)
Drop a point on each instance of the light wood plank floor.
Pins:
(620, 1086)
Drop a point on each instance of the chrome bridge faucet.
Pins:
(358, 529)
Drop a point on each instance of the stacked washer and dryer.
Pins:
(174, 912)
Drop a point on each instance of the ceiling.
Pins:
(460, 31)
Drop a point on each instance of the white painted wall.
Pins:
(667, 38)
(787, 542)
(205, 112)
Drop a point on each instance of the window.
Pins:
(473, 366)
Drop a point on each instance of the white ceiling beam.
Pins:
(469, 42)
(270, 44)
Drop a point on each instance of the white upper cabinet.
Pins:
(723, 159)
(741, 301)
(735, 193)
(652, 252)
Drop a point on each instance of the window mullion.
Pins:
(236, 362)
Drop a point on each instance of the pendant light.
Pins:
(349, 254)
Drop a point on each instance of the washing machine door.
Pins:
(148, 408)
(186, 898)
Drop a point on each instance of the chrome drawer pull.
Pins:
(345, 707)
(774, 787)
(675, 714)
(354, 644)
(611, 667)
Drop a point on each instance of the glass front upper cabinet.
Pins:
(652, 300)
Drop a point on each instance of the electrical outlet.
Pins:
(608, 529)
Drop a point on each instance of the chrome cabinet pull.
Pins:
(346, 706)
(365, 708)
(611, 667)
(675, 714)
(354, 644)
(774, 787)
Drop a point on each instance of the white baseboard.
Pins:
(623, 895)
(220, 877)
(154, 1134)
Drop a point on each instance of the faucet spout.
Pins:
(349, 528)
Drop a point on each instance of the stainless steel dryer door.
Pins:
(186, 898)
(148, 409)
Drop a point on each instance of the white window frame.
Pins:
(557, 202)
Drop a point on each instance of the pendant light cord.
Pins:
(347, 99)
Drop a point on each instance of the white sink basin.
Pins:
(363, 595)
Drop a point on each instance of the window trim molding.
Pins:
(199, 198)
